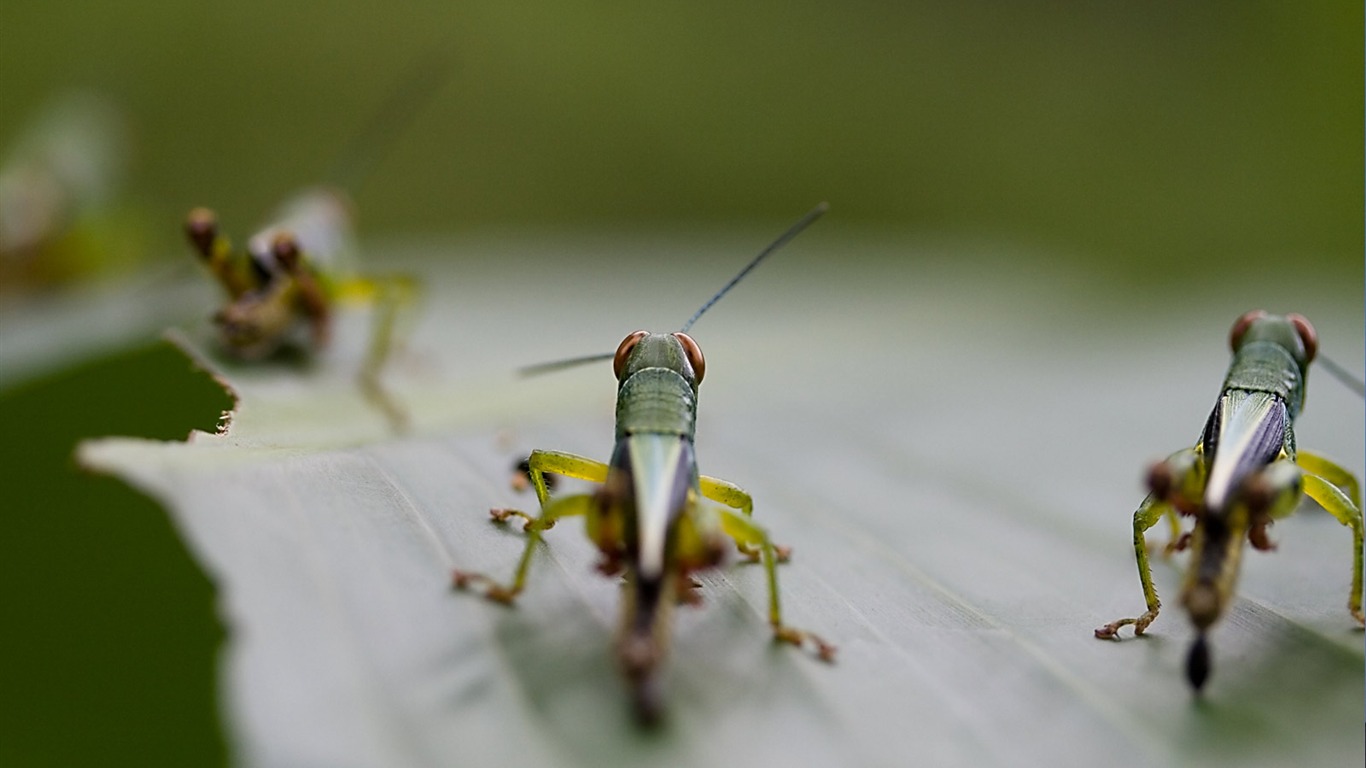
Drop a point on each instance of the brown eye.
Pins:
(202, 227)
(1235, 336)
(286, 250)
(695, 358)
(624, 351)
(1308, 335)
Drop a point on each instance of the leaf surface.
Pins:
(951, 443)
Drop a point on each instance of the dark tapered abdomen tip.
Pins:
(1198, 663)
(648, 704)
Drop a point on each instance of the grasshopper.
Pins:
(648, 517)
(1242, 474)
(283, 289)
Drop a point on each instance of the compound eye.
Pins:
(695, 358)
(1235, 336)
(624, 351)
(286, 250)
(201, 226)
(1308, 335)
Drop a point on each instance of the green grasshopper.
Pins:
(283, 289)
(647, 518)
(1242, 474)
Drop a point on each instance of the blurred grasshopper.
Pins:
(283, 289)
(60, 217)
(647, 518)
(1243, 474)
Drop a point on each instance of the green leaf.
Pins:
(951, 442)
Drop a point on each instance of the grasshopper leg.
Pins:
(538, 464)
(743, 530)
(1145, 517)
(567, 506)
(1175, 485)
(388, 294)
(1337, 491)
(735, 497)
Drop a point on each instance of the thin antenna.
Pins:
(1348, 378)
(370, 144)
(555, 365)
(792, 231)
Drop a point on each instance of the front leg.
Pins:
(1145, 517)
(538, 464)
(1176, 484)
(567, 506)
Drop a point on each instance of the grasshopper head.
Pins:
(1292, 332)
(674, 351)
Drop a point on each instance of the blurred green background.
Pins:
(1155, 137)
(1152, 144)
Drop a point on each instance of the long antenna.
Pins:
(555, 365)
(1348, 378)
(370, 144)
(792, 231)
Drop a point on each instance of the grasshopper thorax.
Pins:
(657, 378)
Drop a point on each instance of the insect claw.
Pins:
(755, 554)
(1179, 545)
(1111, 631)
(748, 552)
(503, 514)
(825, 650)
(501, 594)
(784, 634)
(493, 590)
(462, 579)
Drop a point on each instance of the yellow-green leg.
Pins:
(1145, 517)
(388, 295)
(1325, 482)
(743, 530)
(538, 464)
(735, 497)
(566, 506)
(728, 493)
